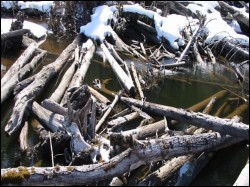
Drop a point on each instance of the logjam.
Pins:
(225, 126)
(141, 153)
(28, 94)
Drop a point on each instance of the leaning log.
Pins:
(7, 89)
(23, 138)
(225, 126)
(142, 153)
(123, 77)
(30, 92)
(137, 82)
(19, 63)
(61, 88)
(111, 106)
(99, 96)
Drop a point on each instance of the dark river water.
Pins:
(181, 91)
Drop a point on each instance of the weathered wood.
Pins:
(19, 63)
(28, 94)
(99, 96)
(144, 152)
(123, 77)
(141, 113)
(23, 84)
(225, 126)
(54, 107)
(105, 115)
(122, 113)
(239, 110)
(118, 122)
(92, 123)
(79, 76)
(188, 45)
(7, 89)
(235, 13)
(137, 82)
(50, 121)
(12, 34)
(61, 88)
(23, 138)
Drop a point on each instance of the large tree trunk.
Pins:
(28, 94)
(20, 62)
(143, 152)
(225, 126)
(7, 89)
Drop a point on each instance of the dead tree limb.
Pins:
(143, 152)
(225, 126)
(11, 34)
(123, 77)
(118, 122)
(137, 82)
(28, 94)
(105, 115)
(60, 90)
(235, 13)
(99, 96)
(23, 138)
(19, 63)
(7, 89)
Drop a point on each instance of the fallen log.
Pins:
(7, 89)
(61, 88)
(225, 126)
(123, 77)
(19, 63)
(79, 76)
(28, 94)
(143, 152)
(12, 34)
(118, 122)
(48, 120)
(99, 96)
(54, 107)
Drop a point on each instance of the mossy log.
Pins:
(143, 152)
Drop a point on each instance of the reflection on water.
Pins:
(167, 91)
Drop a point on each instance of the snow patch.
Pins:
(215, 27)
(37, 30)
(8, 4)
(43, 6)
(99, 27)
(167, 27)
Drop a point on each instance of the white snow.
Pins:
(35, 29)
(8, 4)
(168, 27)
(99, 26)
(215, 26)
(43, 6)
(235, 25)
(211, 3)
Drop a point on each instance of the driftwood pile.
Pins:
(76, 119)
